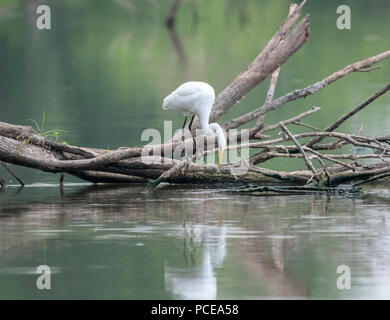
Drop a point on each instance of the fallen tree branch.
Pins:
(298, 123)
(272, 86)
(270, 96)
(302, 93)
(350, 114)
(291, 120)
(166, 175)
(305, 157)
(327, 157)
(38, 157)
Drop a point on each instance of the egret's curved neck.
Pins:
(212, 128)
(204, 122)
(216, 128)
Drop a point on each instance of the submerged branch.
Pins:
(12, 174)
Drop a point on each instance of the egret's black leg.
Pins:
(183, 138)
(204, 156)
(190, 128)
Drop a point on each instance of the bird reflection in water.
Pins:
(198, 280)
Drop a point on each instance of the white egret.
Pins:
(197, 98)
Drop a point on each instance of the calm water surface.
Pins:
(180, 243)
(100, 75)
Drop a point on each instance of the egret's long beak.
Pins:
(220, 158)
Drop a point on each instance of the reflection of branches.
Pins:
(269, 269)
(176, 42)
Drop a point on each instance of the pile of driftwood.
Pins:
(22, 145)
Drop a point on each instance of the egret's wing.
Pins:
(185, 97)
(187, 89)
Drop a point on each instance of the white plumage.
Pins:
(197, 98)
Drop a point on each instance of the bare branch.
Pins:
(302, 93)
(291, 120)
(305, 157)
(270, 95)
(166, 175)
(298, 123)
(12, 174)
(272, 86)
(351, 113)
(275, 53)
(328, 157)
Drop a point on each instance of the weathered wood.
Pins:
(135, 170)
(305, 157)
(289, 38)
(302, 93)
(349, 114)
(40, 157)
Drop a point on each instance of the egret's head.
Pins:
(165, 103)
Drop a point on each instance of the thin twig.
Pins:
(359, 141)
(12, 174)
(305, 157)
(302, 93)
(272, 86)
(323, 155)
(370, 69)
(177, 167)
(270, 94)
(291, 120)
(2, 185)
(349, 114)
(358, 133)
(298, 123)
(328, 157)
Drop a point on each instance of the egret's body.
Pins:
(197, 98)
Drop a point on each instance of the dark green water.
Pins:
(101, 73)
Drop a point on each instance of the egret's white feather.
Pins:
(197, 98)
